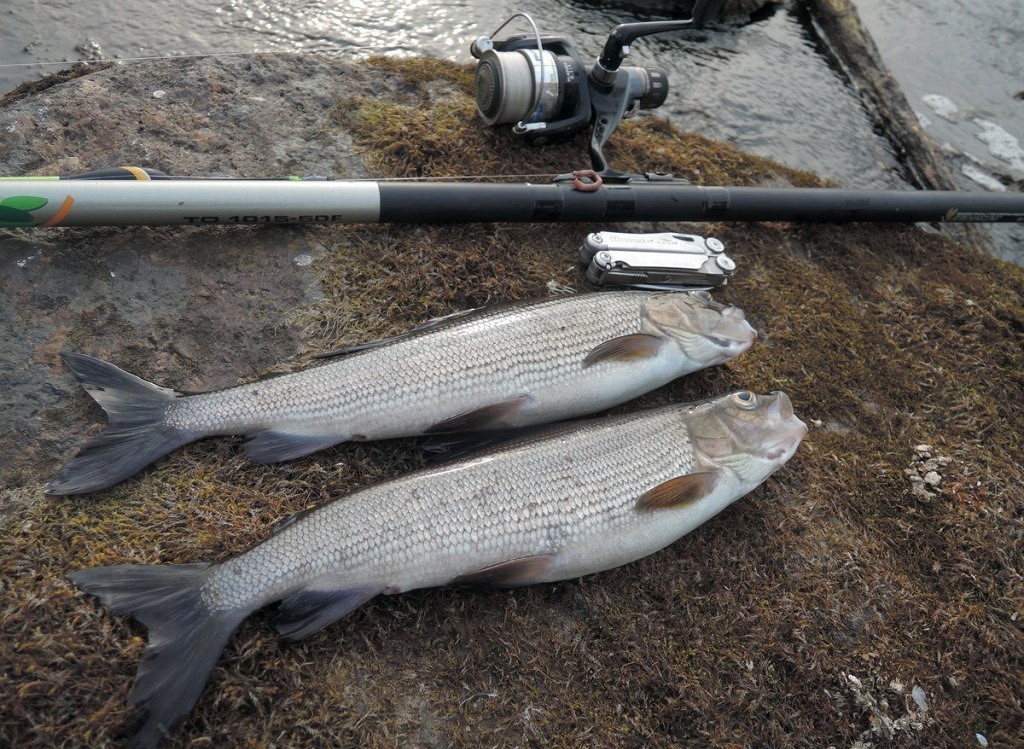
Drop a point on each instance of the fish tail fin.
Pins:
(185, 637)
(135, 436)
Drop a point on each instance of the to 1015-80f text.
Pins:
(317, 218)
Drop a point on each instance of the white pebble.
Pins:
(918, 694)
(942, 105)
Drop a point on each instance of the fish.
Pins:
(572, 500)
(500, 367)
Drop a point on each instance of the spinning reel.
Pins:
(540, 84)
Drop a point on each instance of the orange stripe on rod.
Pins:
(60, 214)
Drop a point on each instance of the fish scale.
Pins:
(433, 367)
(499, 506)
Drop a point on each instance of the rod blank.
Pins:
(85, 202)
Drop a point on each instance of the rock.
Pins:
(207, 305)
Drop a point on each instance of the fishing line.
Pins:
(458, 178)
(514, 178)
(194, 55)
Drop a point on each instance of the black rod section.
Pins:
(405, 202)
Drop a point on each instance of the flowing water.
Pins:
(764, 86)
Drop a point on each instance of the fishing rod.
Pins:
(540, 86)
(159, 202)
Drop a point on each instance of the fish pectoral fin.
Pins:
(678, 492)
(273, 446)
(492, 416)
(633, 347)
(311, 609)
(522, 571)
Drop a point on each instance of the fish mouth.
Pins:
(788, 430)
(732, 332)
(707, 331)
(737, 335)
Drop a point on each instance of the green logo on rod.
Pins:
(17, 210)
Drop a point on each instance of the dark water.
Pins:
(764, 86)
(961, 65)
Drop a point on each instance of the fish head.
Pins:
(706, 331)
(747, 434)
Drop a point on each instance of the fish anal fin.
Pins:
(311, 609)
(678, 492)
(522, 571)
(633, 347)
(492, 416)
(273, 446)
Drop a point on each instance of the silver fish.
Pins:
(499, 367)
(577, 499)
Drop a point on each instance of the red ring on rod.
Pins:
(592, 185)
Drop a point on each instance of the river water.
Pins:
(765, 86)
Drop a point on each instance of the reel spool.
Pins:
(540, 84)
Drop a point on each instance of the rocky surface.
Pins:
(870, 594)
(194, 294)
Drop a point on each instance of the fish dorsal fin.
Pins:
(678, 492)
(492, 416)
(289, 520)
(364, 346)
(632, 347)
(423, 327)
(522, 571)
(311, 609)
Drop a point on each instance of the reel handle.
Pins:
(616, 49)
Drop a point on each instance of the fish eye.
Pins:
(702, 294)
(745, 399)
